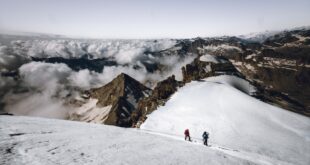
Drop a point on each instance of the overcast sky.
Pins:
(152, 19)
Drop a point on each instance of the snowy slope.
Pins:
(235, 120)
(90, 112)
(37, 141)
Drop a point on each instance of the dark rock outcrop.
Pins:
(201, 69)
(161, 93)
(122, 94)
(77, 64)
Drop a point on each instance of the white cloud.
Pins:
(9, 61)
(44, 76)
(48, 86)
(36, 104)
(124, 51)
(45, 84)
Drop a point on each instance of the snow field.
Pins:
(36, 141)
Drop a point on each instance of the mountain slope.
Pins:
(234, 120)
(113, 103)
(35, 141)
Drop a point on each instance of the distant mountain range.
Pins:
(277, 64)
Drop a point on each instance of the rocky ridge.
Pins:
(119, 97)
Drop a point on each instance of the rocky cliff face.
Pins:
(119, 99)
(205, 66)
(161, 93)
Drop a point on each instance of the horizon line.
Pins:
(64, 36)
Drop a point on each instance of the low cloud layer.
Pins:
(42, 89)
(123, 51)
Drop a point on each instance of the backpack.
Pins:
(205, 135)
(186, 132)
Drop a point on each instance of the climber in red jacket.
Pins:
(186, 133)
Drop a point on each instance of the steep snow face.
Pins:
(37, 141)
(234, 120)
(89, 112)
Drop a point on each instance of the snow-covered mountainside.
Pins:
(234, 120)
(36, 141)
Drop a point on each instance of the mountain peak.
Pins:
(123, 77)
(121, 86)
(121, 95)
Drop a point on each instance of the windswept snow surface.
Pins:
(266, 134)
(37, 141)
(235, 82)
(90, 112)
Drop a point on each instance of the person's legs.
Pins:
(205, 142)
(187, 137)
